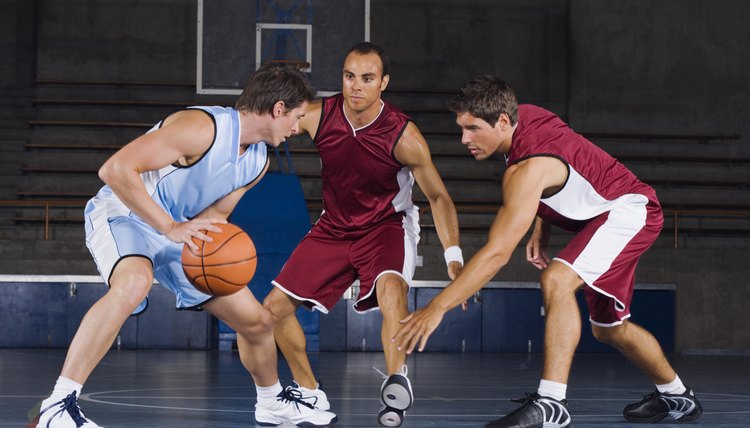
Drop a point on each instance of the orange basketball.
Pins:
(221, 267)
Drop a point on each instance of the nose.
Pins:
(465, 139)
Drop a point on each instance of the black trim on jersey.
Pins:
(322, 115)
(264, 170)
(549, 155)
(216, 131)
(398, 138)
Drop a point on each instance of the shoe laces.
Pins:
(651, 396)
(70, 405)
(525, 401)
(403, 370)
(292, 395)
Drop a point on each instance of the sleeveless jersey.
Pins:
(597, 182)
(184, 192)
(363, 183)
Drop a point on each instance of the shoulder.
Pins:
(411, 148)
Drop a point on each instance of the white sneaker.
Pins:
(289, 408)
(317, 397)
(65, 413)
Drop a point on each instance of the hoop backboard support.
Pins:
(228, 50)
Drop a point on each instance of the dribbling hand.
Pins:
(184, 232)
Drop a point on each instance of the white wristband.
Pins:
(453, 254)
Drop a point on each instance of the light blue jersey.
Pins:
(113, 232)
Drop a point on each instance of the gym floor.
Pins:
(211, 389)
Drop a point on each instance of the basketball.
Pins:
(221, 267)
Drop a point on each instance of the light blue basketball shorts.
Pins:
(112, 239)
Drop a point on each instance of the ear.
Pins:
(279, 109)
(384, 82)
(502, 122)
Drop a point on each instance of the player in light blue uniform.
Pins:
(113, 231)
(171, 185)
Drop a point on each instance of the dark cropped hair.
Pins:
(486, 97)
(363, 48)
(274, 82)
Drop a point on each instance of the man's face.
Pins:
(286, 123)
(363, 81)
(481, 138)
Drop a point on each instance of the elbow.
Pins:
(105, 172)
(109, 171)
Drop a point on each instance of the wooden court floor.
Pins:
(211, 389)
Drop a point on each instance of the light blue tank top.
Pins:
(184, 192)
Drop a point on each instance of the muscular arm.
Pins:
(310, 121)
(412, 151)
(183, 137)
(523, 185)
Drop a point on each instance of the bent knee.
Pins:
(558, 279)
(132, 289)
(609, 335)
(391, 290)
(279, 306)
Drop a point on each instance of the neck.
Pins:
(252, 128)
(359, 119)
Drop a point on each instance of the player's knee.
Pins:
(555, 284)
(391, 291)
(277, 306)
(608, 335)
(260, 324)
(131, 290)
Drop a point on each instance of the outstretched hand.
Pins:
(417, 328)
(184, 232)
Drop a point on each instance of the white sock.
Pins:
(267, 394)
(302, 388)
(556, 390)
(63, 388)
(674, 387)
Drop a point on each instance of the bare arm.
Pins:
(523, 185)
(183, 137)
(310, 121)
(412, 151)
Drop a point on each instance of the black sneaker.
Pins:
(657, 406)
(535, 412)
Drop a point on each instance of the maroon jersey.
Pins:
(597, 182)
(363, 183)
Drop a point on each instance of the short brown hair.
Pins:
(363, 48)
(271, 83)
(486, 97)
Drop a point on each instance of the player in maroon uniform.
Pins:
(371, 153)
(559, 177)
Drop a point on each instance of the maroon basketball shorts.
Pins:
(326, 263)
(605, 253)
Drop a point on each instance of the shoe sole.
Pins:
(390, 418)
(299, 424)
(662, 416)
(397, 396)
